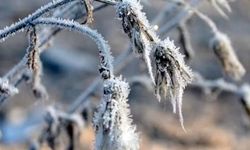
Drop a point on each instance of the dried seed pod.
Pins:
(89, 9)
(172, 74)
(136, 26)
(223, 49)
(34, 64)
(112, 121)
(6, 89)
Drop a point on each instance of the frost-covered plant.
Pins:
(138, 29)
(34, 64)
(112, 121)
(223, 48)
(172, 74)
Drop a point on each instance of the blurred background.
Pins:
(212, 121)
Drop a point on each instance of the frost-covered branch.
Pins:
(16, 27)
(106, 67)
(208, 86)
(18, 73)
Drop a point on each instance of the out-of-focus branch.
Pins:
(222, 46)
(6, 32)
(183, 16)
(242, 91)
(185, 40)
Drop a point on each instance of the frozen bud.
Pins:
(6, 89)
(172, 74)
(112, 121)
(222, 47)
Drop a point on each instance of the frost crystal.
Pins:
(172, 75)
(136, 26)
(112, 121)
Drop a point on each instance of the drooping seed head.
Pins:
(172, 74)
(138, 29)
(35, 66)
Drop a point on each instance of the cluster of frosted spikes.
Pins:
(171, 74)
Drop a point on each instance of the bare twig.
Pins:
(6, 32)
(183, 16)
(185, 40)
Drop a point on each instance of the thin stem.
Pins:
(80, 101)
(207, 20)
(185, 40)
(110, 2)
(26, 21)
(106, 67)
(184, 15)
